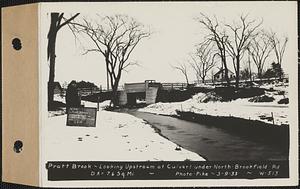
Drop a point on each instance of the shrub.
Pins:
(283, 101)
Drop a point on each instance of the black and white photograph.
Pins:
(186, 82)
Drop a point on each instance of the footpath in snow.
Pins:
(116, 137)
(240, 108)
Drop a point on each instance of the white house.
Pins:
(220, 75)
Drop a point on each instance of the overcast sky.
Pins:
(175, 34)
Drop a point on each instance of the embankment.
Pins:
(253, 129)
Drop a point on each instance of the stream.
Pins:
(212, 143)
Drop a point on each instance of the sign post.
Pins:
(98, 99)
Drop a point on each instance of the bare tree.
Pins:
(55, 25)
(204, 59)
(279, 47)
(183, 69)
(219, 37)
(240, 35)
(260, 49)
(115, 38)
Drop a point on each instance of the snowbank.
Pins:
(279, 86)
(240, 108)
(102, 105)
(59, 98)
(117, 137)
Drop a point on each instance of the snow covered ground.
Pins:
(240, 108)
(116, 137)
(59, 98)
(279, 86)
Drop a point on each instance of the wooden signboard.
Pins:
(85, 117)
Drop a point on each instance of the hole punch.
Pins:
(18, 146)
(17, 45)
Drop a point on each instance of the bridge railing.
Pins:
(171, 86)
(90, 91)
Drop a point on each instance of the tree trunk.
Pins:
(51, 56)
(107, 80)
(115, 95)
(259, 73)
(112, 90)
(114, 82)
(187, 80)
(250, 73)
(226, 71)
(237, 79)
(203, 73)
(115, 99)
(280, 72)
(55, 25)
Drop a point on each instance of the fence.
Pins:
(232, 81)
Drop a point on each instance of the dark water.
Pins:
(211, 142)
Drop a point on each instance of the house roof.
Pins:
(221, 70)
